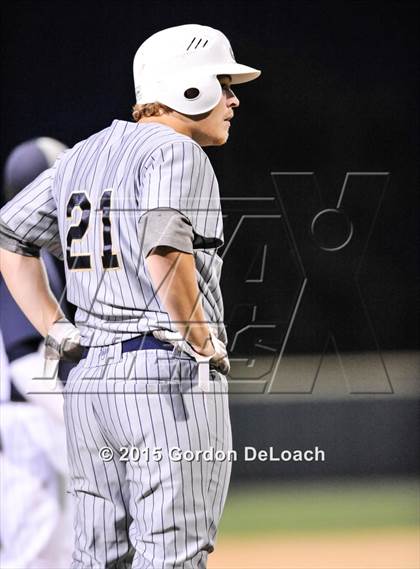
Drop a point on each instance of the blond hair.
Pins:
(149, 110)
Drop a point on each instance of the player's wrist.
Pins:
(203, 347)
(63, 341)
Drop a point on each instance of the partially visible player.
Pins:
(26, 161)
(35, 514)
(135, 212)
(34, 528)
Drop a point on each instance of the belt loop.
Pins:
(204, 375)
(118, 351)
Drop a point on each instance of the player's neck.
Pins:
(173, 121)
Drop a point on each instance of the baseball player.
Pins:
(34, 509)
(135, 212)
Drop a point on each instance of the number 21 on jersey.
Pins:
(77, 231)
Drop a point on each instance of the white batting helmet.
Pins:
(178, 67)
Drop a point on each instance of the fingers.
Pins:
(63, 342)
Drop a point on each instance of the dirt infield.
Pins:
(370, 549)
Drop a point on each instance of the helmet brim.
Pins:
(238, 72)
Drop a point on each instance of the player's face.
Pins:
(212, 128)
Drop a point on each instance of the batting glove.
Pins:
(63, 342)
(218, 359)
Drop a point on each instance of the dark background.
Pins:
(338, 93)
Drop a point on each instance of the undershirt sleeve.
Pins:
(11, 242)
(165, 227)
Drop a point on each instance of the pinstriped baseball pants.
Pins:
(145, 513)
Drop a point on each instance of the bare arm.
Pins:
(173, 276)
(27, 282)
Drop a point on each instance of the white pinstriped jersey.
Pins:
(89, 205)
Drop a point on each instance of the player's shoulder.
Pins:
(150, 136)
(149, 143)
(160, 137)
(84, 145)
(164, 145)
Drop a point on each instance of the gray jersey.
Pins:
(101, 207)
(88, 209)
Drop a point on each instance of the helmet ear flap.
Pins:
(190, 95)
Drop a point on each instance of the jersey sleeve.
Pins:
(28, 222)
(179, 177)
(166, 227)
